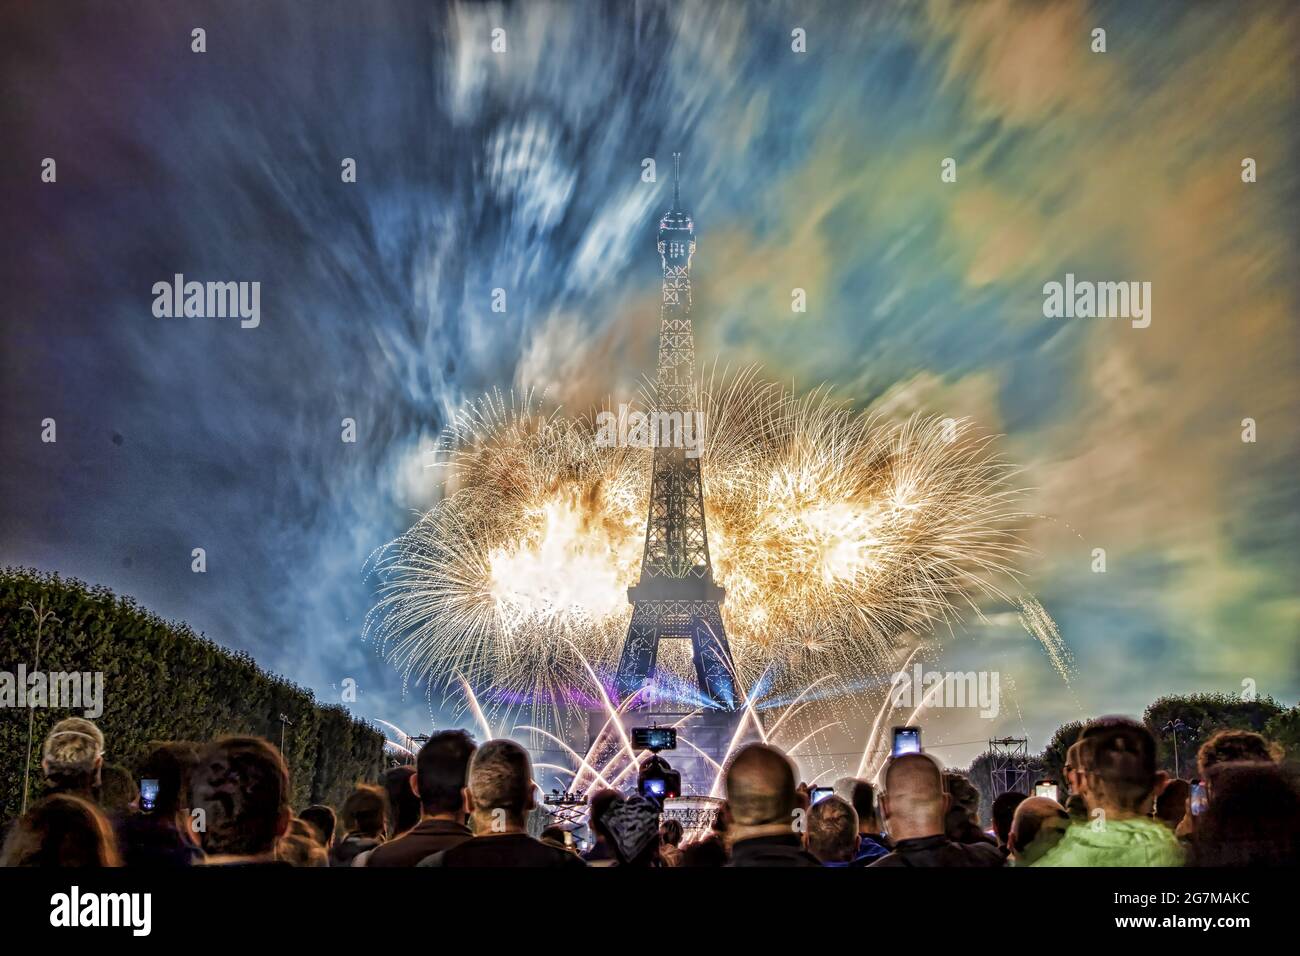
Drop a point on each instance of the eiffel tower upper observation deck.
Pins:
(676, 597)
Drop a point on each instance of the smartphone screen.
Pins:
(1047, 790)
(907, 740)
(1199, 799)
(821, 793)
(148, 794)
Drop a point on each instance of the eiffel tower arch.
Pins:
(676, 597)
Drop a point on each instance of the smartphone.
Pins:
(1199, 799)
(818, 794)
(148, 794)
(654, 738)
(1047, 790)
(907, 740)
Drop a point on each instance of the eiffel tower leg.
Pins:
(640, 650)
(713, 665)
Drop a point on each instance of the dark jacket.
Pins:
(350, 847)
(871, 847)
(938, 850)
(968, 832)
(507, 849)
(772, 851)
(424, 839)
(153, 841)
(601, 852)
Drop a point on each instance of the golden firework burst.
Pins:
(837, 535)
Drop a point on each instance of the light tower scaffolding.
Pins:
(1009, 765)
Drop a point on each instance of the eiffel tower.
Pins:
(676, 597)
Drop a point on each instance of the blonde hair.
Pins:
(72, 747)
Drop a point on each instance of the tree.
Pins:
(161, 681)
(1202, 715)
(1284, 729)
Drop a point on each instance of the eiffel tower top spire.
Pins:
(677, 169)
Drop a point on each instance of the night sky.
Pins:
(522, 171)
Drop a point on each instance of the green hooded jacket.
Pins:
(1135, 842)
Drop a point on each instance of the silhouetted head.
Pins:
(365, 812)
(1117, 759)
(633, 828)
(170, 763)
(61, 830)
(442, 769)
(323, 821)
(1253, 817)
(864, 805)
(832, 833)
(1235, 746)
(72, 755)
(301, 846)
(914, 801)
(1171, 805)
(117, 789)
(761, 787)
(1038, 825)
(555, 836)
(403, 802)
(500, 786)
(1004, 811)
(241, 787)
(962, 816)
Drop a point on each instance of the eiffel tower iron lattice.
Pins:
(676, 596)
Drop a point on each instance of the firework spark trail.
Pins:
(472, 701)
(925, 699)
(740, 730)
(603, 774)
(886, 706)
(611, 710)
(803, 740)
(837, 536)
(582, 763)
(598, 740)
(634, 763)
(1040, 625)
(399, 731)
(795, 705)
(682, 740)
(396, 746)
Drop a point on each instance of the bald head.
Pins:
(1037, 826)
(914, 802)
(760, 787)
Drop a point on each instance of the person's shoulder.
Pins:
(554, 855)
(570, 859)
(385, 854)
(437, 859)
(985, 852)
(889, 859)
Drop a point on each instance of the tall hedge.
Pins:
(164, 682)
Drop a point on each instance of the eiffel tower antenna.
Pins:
(676, 597)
